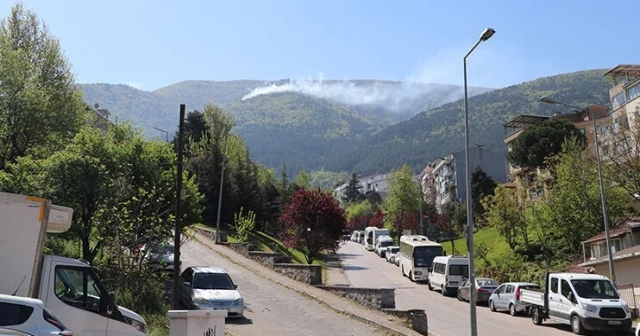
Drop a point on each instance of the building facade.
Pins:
(446, 180)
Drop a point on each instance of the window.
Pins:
(14, 314)
(462, 270)
(501, 289)
(509, 289)
(595, 289)
(565, 288)
(554, 285)
(212, 281)
(78, 287)
(634, 92)
(619, 100)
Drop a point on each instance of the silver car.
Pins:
(207, 287)
(391, 253)
(507, 297)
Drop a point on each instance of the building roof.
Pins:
(626, 226)
(632, 70)
(612, 232)
(632, 252)
(525, 120)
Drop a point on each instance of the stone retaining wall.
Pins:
(376, 298)
(309, 274)
(416, 318)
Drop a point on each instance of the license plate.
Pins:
(615, 322)
(453, 282)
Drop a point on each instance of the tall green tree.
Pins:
(402, 200)
(352, 192)
(506, 216)
(40, 106)
(537, 144)
(482, 185)
(573, 204)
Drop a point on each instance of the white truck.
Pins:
(587, 302)
(69, 288)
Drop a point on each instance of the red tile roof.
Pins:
(612, 233)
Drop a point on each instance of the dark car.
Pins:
(484, 289)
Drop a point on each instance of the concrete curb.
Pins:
(354, 316)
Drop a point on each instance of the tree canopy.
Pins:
(312, 222)
(536, 144)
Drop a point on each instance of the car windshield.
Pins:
(423, 255)
(163, 249)
(212, 281)
(395, 250)
(595, 289)
(487, 282)
(385, 244)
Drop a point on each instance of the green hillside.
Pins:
(440, 131)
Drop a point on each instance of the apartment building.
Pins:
(621, 133)
(444, 180)
(532, 183)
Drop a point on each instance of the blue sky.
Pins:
(151, 44)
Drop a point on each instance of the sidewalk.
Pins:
(388, 323)
(335, 274)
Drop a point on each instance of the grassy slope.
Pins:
(487, 237)
(266, 243)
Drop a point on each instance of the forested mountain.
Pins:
(296, 124)
(440, 131)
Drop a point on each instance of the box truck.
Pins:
(69, 288)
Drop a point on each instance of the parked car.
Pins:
(484, 289)
(391, 253)
(381, 245)
(448, 273)
(396, 260)
(638, 330)
(161, 257)
(29, 316)
(207, 287)
(507, 297)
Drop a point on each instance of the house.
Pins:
(625, 243)
(377, 183)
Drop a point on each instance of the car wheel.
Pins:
(492, 307)
(411, 276)
(576, 325)
(535, 316)
(402, 270)
(512, 310)
(444, 290)
(460, 296)
(429, 286)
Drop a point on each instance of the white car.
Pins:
(392, 253)
(208, 287)
(29, 316)
(638, 330)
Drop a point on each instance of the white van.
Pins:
(381, 245)
(371, 234)
(448, 273)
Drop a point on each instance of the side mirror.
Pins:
(235, 286)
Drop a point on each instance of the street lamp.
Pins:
(166, 134)
(222, 167)
(612, 271)
(486, 34)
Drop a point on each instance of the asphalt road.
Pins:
(447, 316)
(272, 309)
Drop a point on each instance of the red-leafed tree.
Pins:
(378, 219)
(447, 228)
(312, 222)
(409, 221)
(359, 222)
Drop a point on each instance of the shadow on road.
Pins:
(238, 320)
(348, 255)
(353, 268)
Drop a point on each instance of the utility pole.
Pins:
(217, 240)
(178, 228)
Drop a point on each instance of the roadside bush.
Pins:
(244, 224)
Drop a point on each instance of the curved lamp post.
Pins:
(612, 272)
(486, 34)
